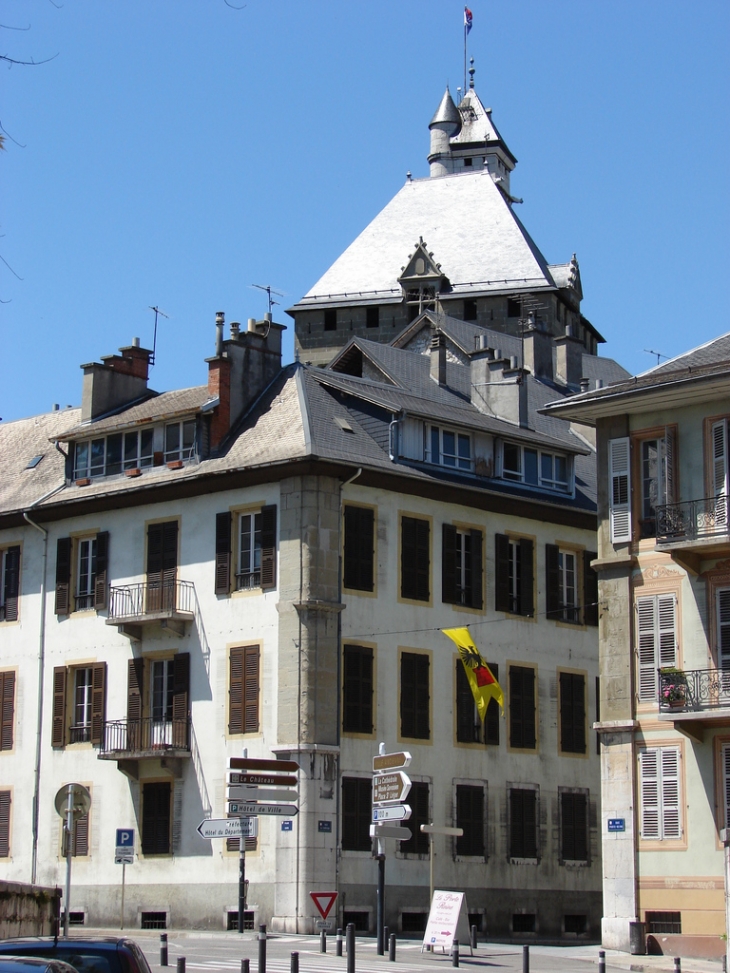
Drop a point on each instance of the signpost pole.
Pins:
(430, 867)
(70, 835)
(380, 918)
(121, 918)
(241, 881)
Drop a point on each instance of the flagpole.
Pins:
(464, 88)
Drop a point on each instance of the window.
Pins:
(470, 816)
(86, 560)
(156, 806)
(356, 813)
(81, 837)
(162, 566)
(522, 822)
(158, 703)
(5, 802)
(725, 771)
(470, 310)
(138, 449)
(444, 447)
(180, 441)
(419, 801)
(619, 505)
(722, 607)
(663, 923)
(161, 690)
(720, 474)
(522, 708)
(7, 710)
(359, 548)
(461, 568)
(572, 688)
(9, 583)
(372, 317)
(659, 787)
(415, 696)
(256, 550)
(79, 704)
(109, 455)
(533, 467)
(330, 319)
(357, 703)
(653, 480)
(573, 826)
(469, 728)
(514, 575)
(415, 559)
(656, 641)
(243, 689)
(514, 307)
(590, 589)
(562, 584)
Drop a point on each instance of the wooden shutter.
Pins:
(659, 781)
(720, 470)
(491, 720)
(449, 592)
(81, 836)
(7, 685)
(671, 818)
(181, 698)
(357, 705)
(358, 548)
(63, 575)
(58, 728)
(235, 691)
(98, 701)
(268, 546)
(101, 586)
(554, 604)
(723, 633)
(12, 583)
(162, 553)
(5, 800)
(156, 801)
(223, 553)
(414, 696)
(470, 817)
(251, 689)
(135, 683)
(523, 823)
(649, 782)
(154, 555)
(619, 490)
(572, 713)
(573, 827)
(527, 577)
(522, 707)
(476, 600)
(502, 593)
(356, 803)
(415, 559)
(646, 638)
(726, 783)
(590, 589)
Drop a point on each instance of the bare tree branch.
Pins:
(31, 63)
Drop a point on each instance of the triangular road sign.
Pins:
(324, 902)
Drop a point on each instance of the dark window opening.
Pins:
(360, 920)
(356, 813)
(156, 800)
(415, 696)
(154, 920)
(468, 163)
(576, 924)
(522, 823)
(358, 560)
(514, 308)
(477, 919)
(418, 799)
(522, 708)
(573, 827)
(470, 817)
(413, 921)
(357, 710)
(372, 317)
(469, 728)
(76, 918)
(415, 568)
(330, 320)
(523, 922)
(470, 310)
(572, 712)
(664, 922)
(232, 921)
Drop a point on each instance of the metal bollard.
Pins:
(163, 949)
(262, 948)
(181, 964)
(677, 964)
(386, 936)
(350, 946)
(601, 961)
(455, 953)
(473, 937)
(294, 968)
(323, 940)
(525, 959)
(338, 943)
(391, 948)
(245, 966)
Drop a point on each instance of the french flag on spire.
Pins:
(468, 17)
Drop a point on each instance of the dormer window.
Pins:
(536, 467)
(108, 455)
(180, 440)
(445, 447)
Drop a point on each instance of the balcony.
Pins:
(693, 530)
(135, 606)
(694, 699)
(129, 741)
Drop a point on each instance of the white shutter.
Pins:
(619, 498)
(726, 782)
(659, 783)
(719, 469)
(723, 628)
(669, 454)
(646, 638)
(649, 780)
(667, 634)
(670, 818)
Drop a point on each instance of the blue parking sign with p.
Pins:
(125, 838)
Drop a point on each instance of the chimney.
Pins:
(538, 349)
(438, 358)
(115, 382)
(219, 386)
(569, 359)
(498, 386)
(585, 384)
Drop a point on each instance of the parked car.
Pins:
(85, 954)
(33, 964)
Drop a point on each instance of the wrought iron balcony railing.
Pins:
(135, 738)
(694, 690)
(692, 520)
(134, 602)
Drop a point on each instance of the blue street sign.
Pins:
(286, 825)
(324, 826)
(617, 824)
(125, 838)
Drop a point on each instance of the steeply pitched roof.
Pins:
(21, 441)
(167, 405)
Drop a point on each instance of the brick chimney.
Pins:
(117, 381)
(438, 358)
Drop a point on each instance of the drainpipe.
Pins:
(41, 666)
(392, 444)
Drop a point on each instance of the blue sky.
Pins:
(176, 152)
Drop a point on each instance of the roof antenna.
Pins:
(154, 340)
(659, 354)
(269, 291)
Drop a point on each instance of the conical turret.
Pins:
(445, 124)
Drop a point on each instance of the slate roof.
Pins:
(20, 441)
(165, 405)
(712, 352)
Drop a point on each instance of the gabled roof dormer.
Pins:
(422, 280)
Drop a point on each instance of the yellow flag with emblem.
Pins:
(483, 684)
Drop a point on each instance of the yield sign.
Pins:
(324, 902)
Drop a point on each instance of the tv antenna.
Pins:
(154, 340)
(269, 291)
(659, 354)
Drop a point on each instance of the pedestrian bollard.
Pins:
(262, 948)
(294, 968)
(323, 940)
(391, 948)
(677, 964)
(386, 937)
(473, 937)
(338, 943)
(601, 961)
(181, 964)
(163, 949)
(525, 959)
(350, 946)
(455, 953)
(245, 966)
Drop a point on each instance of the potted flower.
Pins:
(673, 687)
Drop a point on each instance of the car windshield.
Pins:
(83, 959)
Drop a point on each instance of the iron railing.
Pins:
(134, 601)
(145, 736)
(694, 690)
(692, 519)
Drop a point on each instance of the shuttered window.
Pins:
(656, 641)
(659, 785)
(619, 490)
(470, 817)
(469, 728)
(561, 583)
(359, 548)
(243, 691)
(514, 580)
(415, 696)
(7, 703)
(268, 547)
(461, 568)
(223, 553)
(156, 804)
(572, 712)
(419, 801)
(9, 583)
(63, 575)
(81, 837)
(726, 784)
(356, 805)
(98, 701)
(522, 823)
(5, 801)
(590, 589)
(722, 602)
(58, 719)
(415, 565)
(101, 579)
(522, 708)
(720, 471)
(573, 826)
(357, 704)
(161, 566)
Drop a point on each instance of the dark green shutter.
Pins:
(268, 546)
(102, 569)
(470, 817)
(573, 827)
(491, 721)
(572, 713)
(223, 553)
(523, 823)
(98, 701)
(415, 696)
(356, 804)
(415, 559)
(156, 801)
(357, 715)
(467, 721)
(63, 575)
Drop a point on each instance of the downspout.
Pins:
(392, 431)
(41, 666)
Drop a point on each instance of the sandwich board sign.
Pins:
(448, 920)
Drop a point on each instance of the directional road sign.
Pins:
(228, 828)
(323, 902)
(390, 831)
(263, 780)
(252, 763)
(396, 812)
(240, 792)
(432, 829)
(286, 810)
(391, 761)
(391, 787)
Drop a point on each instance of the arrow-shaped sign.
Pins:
(252, 763)
(388, 788)
(228, 828)
(397, 812)
(263, 780)
(390, 761)
(390, 831)
(323, 901)
(239, 792)
(286, 810)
